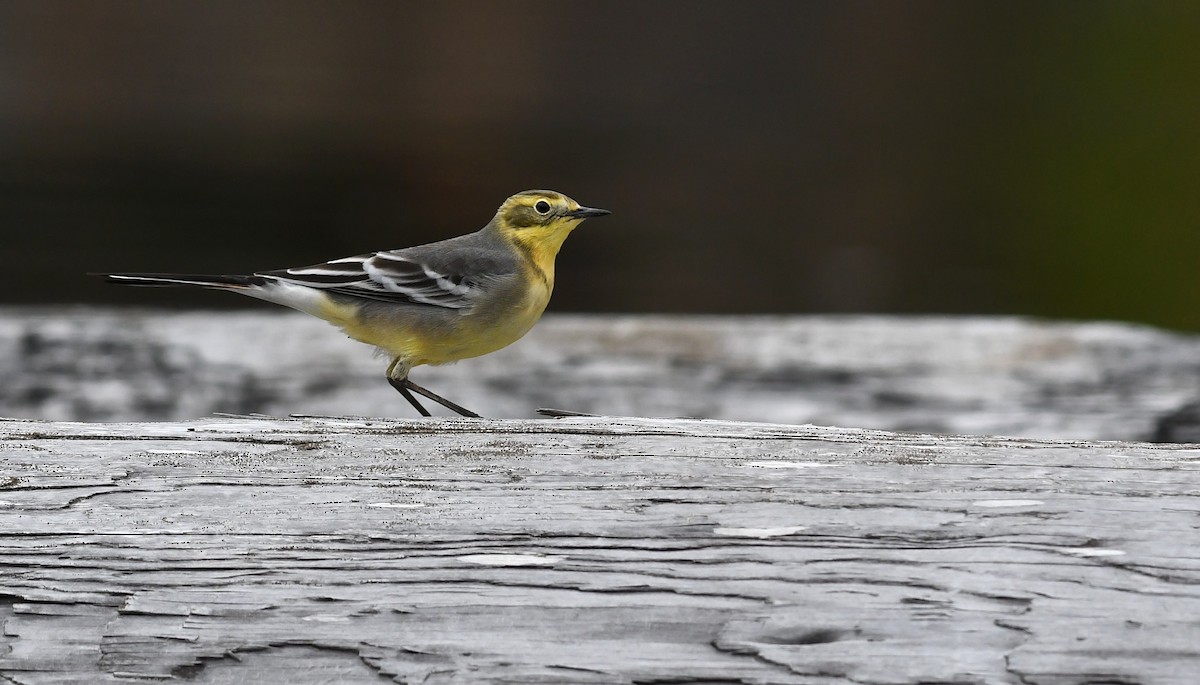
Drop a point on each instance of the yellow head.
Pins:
(538, 221)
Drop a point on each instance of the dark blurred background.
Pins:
(985, 157)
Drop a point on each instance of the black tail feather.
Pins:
(153, 280)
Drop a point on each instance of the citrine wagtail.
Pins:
(430, 304)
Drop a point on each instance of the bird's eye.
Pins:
(542, 207)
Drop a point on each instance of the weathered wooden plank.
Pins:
(1000, 376)
(591, 550)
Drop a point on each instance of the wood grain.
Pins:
(591, 550)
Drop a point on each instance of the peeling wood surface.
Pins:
(591, 550)
(976, 375)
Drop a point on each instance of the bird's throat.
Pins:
(540, 251)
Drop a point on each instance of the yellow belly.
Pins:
(415, 342)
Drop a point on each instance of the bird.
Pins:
(429, 304)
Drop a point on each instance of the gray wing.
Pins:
(451, 274)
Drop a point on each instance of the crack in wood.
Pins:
(867, 567)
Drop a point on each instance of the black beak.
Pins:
(587, 213)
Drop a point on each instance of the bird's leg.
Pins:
(401, 386)
(406, 385)
(397, 375)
